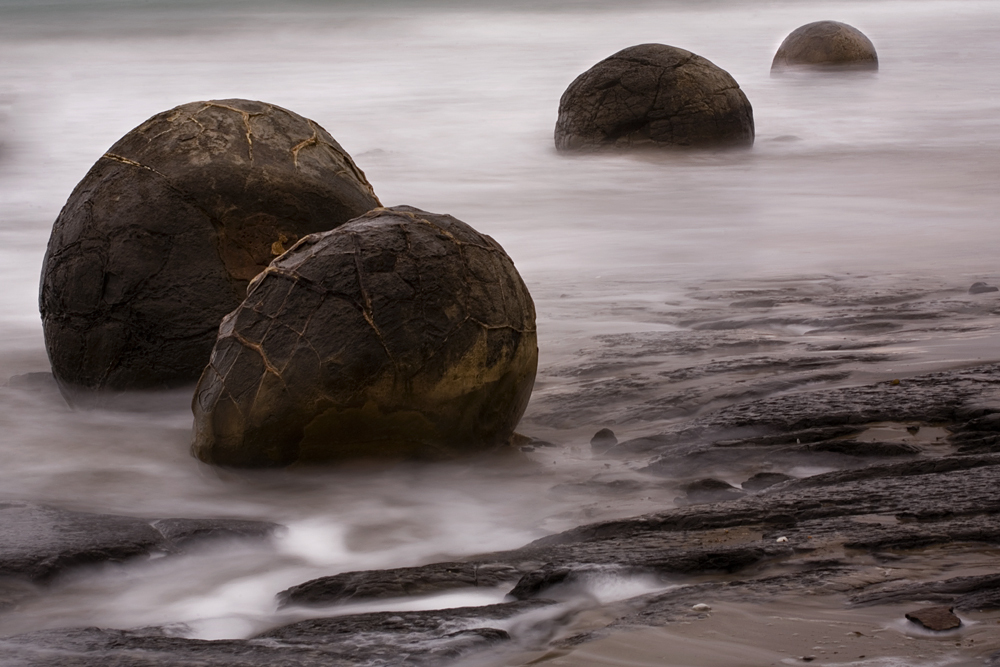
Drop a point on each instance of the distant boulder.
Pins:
(402, 334)
(982, 288)
(161, 238)
(651, 96)
(826, 45)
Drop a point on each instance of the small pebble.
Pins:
(782, 539)
(701, 607)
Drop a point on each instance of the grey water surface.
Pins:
(838, 251)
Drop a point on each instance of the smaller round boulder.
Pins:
(652, 95)
(826, 45)
(401, 334)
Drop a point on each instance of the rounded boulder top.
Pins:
(160, 239)
(826, 45)
(650, 96)
(402, 334)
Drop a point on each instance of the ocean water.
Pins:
(838, 251)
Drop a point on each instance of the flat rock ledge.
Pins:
(42, 543)
(857, 535)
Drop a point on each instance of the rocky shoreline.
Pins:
(856, 534)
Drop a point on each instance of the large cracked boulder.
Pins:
(826, 45)
(160, 239)
(401, 334)
(652, 95)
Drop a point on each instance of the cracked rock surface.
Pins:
(652, 95)
(826, 44)
(162, 236)
(400, 334)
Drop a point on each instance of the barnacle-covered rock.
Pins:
(652, 95)
(826, 45)
(400, 334)
(161, 238)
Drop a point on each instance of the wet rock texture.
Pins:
(859, 534)
(652, 95)
(825, 45)
(398, 582)
(162, 236)
(42, 543)
(401, 334)
(387, 638)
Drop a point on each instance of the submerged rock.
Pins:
(826, 45)
(652, 95)
(401, 334)
(604, 439)
(982, 288)
(162, 236)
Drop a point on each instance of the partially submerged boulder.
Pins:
(652, 95)
(161, 238)
(400, 334)
(826, 45)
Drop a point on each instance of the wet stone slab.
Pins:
(384, 638)
(41, 543)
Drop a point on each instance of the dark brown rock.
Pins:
(401, 334)
(935, 618)
(826, 45)
(161, 238)
(652, 95)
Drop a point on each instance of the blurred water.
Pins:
(858, 187)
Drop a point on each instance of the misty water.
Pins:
(838, 251)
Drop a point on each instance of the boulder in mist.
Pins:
(826, 45)
(652, 95)
(402, 334)
(162, 236)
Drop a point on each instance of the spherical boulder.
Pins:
(826, 45)
(652, 95)
(162, 236)
(402, 334)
